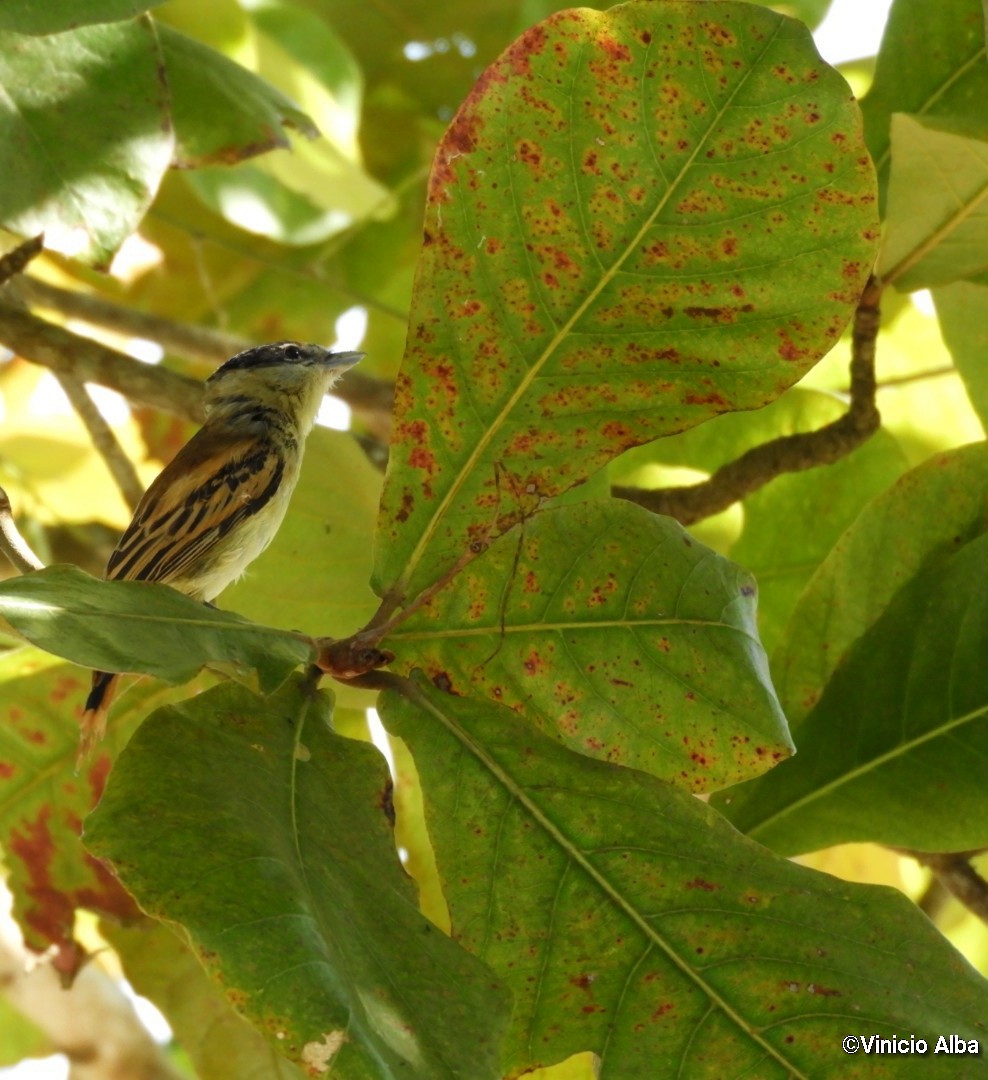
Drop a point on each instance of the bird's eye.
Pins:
(293, 352)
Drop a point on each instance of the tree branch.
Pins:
(12, 544)
(956, 874)
(71, 354)
(13, 262)
(789, 453)
(361, 392)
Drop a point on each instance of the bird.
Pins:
(220, 501)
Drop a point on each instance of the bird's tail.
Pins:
(93, 726)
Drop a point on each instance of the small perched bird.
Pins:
(219, 502)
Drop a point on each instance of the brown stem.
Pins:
(789, 453)
(359, 391)
(13, 262)
(63, 352)
(956, 874)
(12, 544)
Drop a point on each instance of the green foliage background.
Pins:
(641, 228)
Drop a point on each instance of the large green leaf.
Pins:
(293, 895)
(143, 627)
(937, 229)
(616, 632)
(222, 112)
(906, 707)
(632, 920)
(919, 522)
(54, 16)
(931, 63)
(86, 185)
(638, 219)
(319, 188)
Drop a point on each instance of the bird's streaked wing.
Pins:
(207, 489)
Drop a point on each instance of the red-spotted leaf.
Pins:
(638, 219)
(44, 798)
(618, 634)
(631, 920)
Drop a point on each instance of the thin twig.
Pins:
(956, 874)
(13, 262)
(917, 376)
(13, 545)
(361, 392)
(104, 440)
(62, 351)
(789, 453)
(183, 339)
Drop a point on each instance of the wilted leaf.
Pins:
(631, 920)
(638, 220)
(617, 633)
(294, 896)
(143, 627)
(44, 797)
(84, 185)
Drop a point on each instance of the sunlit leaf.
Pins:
(249, 197)
(608, 219)
(222, 112)
(920, 521)
(294, 897)
(937, 230)
(85, 185)
(931, 63)
(904, 709)
(791, 525)
(616, 632)
(54, 16)
(20, 1037)
(631, 920)
(142, 626)
(961, 309)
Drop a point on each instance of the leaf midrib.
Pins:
(564, 330)
(864, 768)
(456, 633)
(614, 894)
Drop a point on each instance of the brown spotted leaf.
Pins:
(618, 634)
(638, 219)
(632, 921)
(44, 798)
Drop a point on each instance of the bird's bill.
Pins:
(343, 360)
